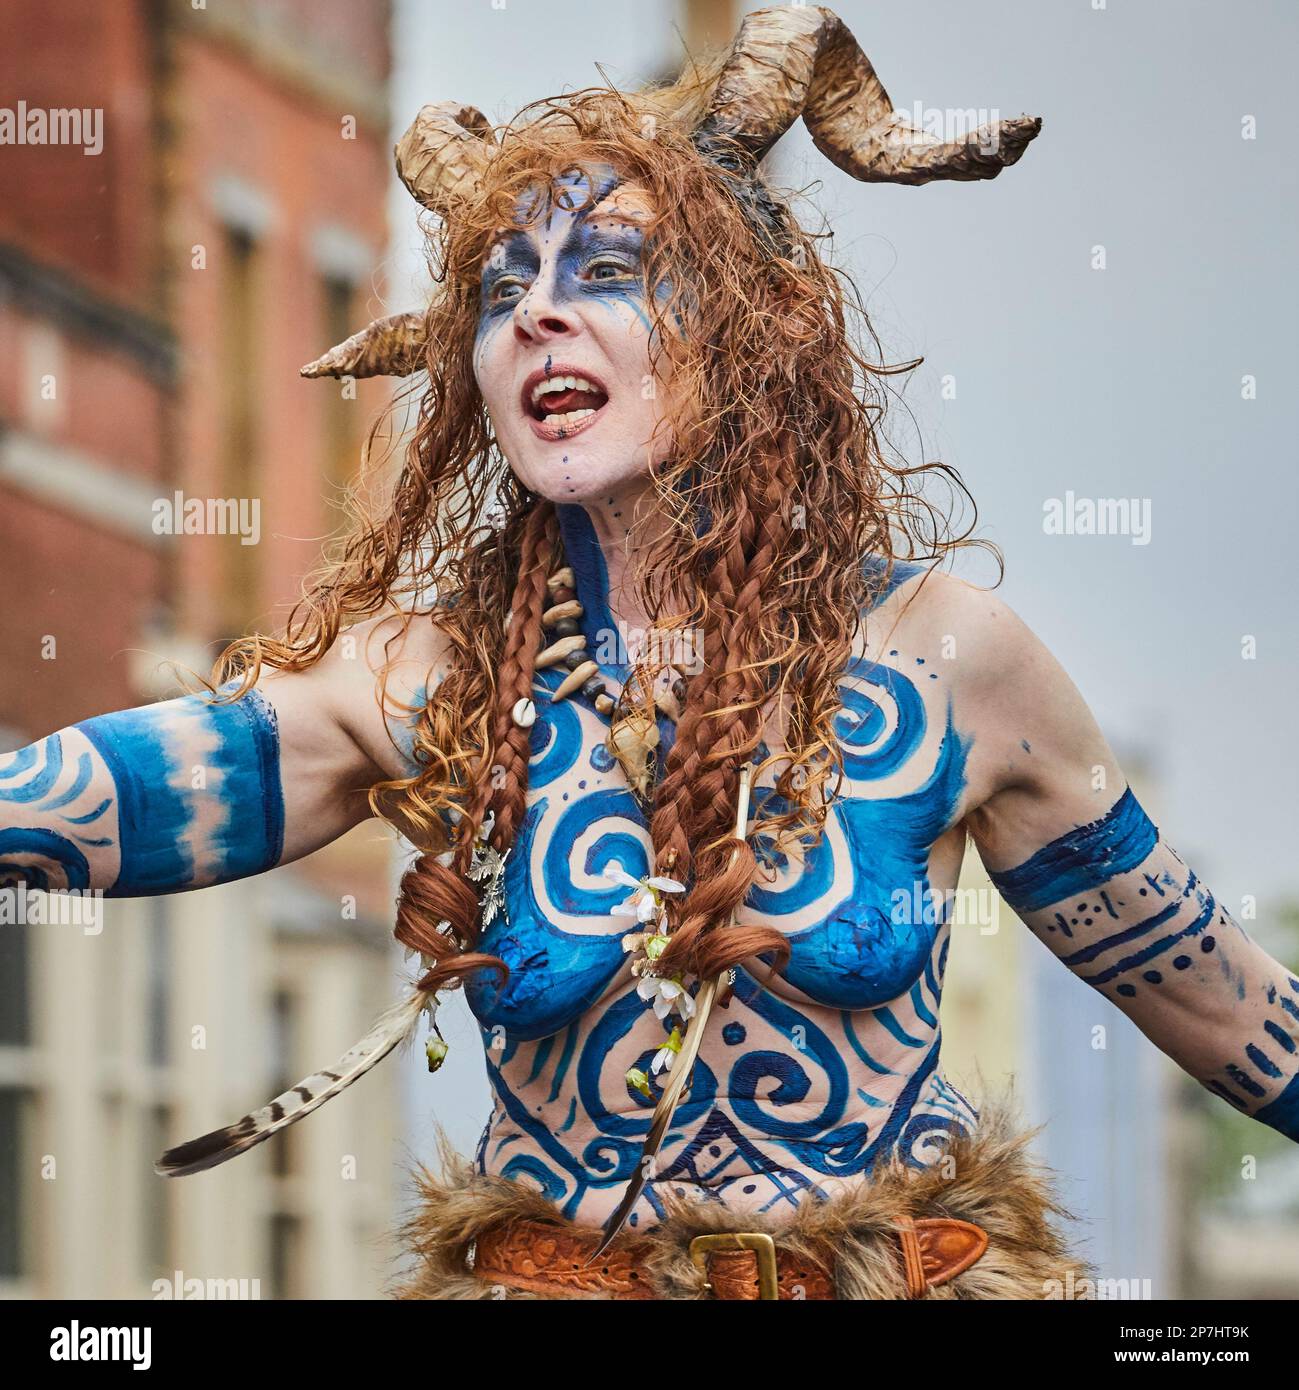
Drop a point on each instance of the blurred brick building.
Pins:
(157, 296)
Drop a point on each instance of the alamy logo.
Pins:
(179, 515)
(77, 1343)
(181, 1286)
(962, 907)
(621, 645)
(950, 123)
(1086, 1288)
(1097, 516)
(35, 125)
(21, 906)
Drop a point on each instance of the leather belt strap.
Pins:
(539, 1257)
(936, 1249)
(542, 1258)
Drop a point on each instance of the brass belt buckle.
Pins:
(758, 1241)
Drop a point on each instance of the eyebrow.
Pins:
(518, 243)
(613, 215)
(505, 233)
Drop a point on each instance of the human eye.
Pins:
(604, 268)
(505, 289)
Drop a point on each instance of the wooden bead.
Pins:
(593, 687)
(557, 651)
(551, 616)
(563, 595)
(562, 579)
(574, 681)
(574, 659)
(567, 627)
(605, 703)
(679, 690)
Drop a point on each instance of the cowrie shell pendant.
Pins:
(524, 713)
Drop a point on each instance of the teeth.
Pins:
(561, 383)
(571, 418)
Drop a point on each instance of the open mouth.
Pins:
(561, 403)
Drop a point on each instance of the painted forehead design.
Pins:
(614, 201)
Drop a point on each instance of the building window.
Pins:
(15, 985)
(284, 1027)
(156, 1245)
(342, 435)
(158, 966)
(238, 459)
(15, 1110)
(286, 1256)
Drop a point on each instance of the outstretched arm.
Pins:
(1074, 854)
(193, 791)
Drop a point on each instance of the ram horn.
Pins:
(798, 60)
(388, 347)
(442, 156)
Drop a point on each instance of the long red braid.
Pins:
(433, 893)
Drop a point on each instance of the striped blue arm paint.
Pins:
(199, 793)
(1082, 860)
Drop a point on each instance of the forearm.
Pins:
(1122, 910)
(168, 797)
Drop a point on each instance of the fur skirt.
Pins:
(987, 1178)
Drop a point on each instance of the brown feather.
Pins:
(393, 1027)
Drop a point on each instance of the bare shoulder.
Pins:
(374, 680)
(986, 640)
(1031, 726)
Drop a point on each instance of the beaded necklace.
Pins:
(633, 736)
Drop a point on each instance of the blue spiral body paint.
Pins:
(788, 1097)
(50, 855)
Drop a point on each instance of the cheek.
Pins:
(629, 332)
(489, 366)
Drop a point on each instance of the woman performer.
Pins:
(644, 414)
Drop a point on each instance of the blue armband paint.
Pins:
(1082, 860)
(199, 794)
(1282, 1114)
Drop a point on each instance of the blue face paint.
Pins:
(583, 258)
(198, 791)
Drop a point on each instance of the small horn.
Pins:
(443, 153)
(389, 347)
(803, 60)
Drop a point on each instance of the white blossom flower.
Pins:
(667, 1054)
(668, 995)
(646, 900)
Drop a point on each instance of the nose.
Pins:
(540, 315)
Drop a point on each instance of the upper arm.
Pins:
(1071, 849)
(196, 790)
(1061, 833)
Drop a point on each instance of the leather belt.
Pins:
(539, 1257)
